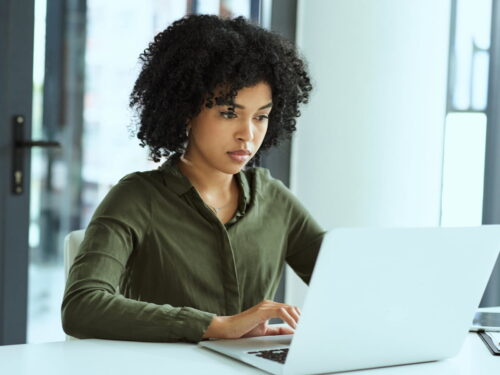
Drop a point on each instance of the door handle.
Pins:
(20, 144)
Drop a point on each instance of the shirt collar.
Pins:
(180, 184)
(173, 177)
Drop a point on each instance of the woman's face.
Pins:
(217, 132)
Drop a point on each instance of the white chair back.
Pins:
(72, 243)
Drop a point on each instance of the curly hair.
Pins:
(186, 62)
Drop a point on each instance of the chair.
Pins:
(72, 243)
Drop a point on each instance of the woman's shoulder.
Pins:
(143, 179)
(263, 181)
(134, 181)
(132, 189)
(261, 174)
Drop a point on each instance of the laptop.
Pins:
(381, 297)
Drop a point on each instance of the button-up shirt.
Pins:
(175, 264)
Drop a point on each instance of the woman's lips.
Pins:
(239, 156)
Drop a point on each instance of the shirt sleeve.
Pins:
(304, 235)
(92, 307)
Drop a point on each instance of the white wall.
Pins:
(369, 146)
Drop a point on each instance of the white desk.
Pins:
(94, 357)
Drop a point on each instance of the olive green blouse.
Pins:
(175, 264)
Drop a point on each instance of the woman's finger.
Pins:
(275, 331)
(286, 331)
(293, 312)
(286, 317)
(272, 331)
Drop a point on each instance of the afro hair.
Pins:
(186, 62)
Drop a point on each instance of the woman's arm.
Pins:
(91, 307)
(304, 235)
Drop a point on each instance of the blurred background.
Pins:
(400, 129)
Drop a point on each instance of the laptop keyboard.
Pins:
(278, 355)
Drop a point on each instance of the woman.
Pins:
(196, 247)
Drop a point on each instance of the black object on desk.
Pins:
(489, 342)
(485, 322)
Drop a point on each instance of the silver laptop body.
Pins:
(381, 297)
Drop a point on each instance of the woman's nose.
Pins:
(246, 132)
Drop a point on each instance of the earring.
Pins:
(188, 128)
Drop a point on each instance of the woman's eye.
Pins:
(228, 115)
(263, 117)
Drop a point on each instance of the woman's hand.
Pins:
(253, 322)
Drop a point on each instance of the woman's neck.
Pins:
(208, 182)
